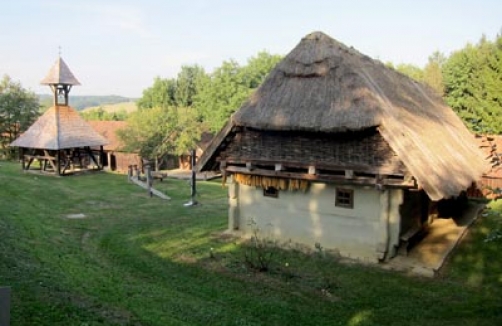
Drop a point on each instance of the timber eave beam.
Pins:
(380, 180)
(314, 168)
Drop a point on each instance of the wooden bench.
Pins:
(405, 239)
(159, 175)
(40, 158)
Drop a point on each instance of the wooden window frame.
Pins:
(271, 192)
(344, 197)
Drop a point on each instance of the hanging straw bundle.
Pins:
(268, 182)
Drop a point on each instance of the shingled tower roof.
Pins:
(60, 127)
(60, 74)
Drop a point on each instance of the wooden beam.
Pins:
(321, 177)
(58, 162)
(52, 161)
(91, 155)
(330, 167)
(30, 160)
(249, 166)
(153, 190)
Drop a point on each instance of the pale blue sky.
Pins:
(119, 46)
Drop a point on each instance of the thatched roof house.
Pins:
(329, 115)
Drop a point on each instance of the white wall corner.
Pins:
(383, 225)
(233, 205)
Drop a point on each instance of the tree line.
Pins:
(173, 113)
(469, 80)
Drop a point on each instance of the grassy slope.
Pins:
(137, 260)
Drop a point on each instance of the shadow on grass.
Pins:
(477, 262)
(206, 274)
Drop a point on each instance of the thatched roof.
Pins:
(60, 127)
(324, 86)
(60, 74)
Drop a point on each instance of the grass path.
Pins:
(136, 260)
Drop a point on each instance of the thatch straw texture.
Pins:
(60, 127)
(60, 74)
(324, 86)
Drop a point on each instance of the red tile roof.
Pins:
(491, 145)
(108, 129)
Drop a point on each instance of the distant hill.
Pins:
(128, 107)
(82, 102)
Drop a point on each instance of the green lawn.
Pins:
(136, 260)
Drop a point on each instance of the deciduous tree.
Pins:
(188, 83)
(18, 110)
(221, 94)
(432, 73)
(160, 94)
(159, 131)
(473, 85)
(225, 90)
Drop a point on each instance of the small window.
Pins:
(344, 198)
(271, 192)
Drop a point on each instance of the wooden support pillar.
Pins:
(91, 155)
(101, 158)
(109, 159)
(21, 156)
(129, 172)
(70, 158)
(58, 162)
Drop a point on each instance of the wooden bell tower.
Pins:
(60, 79)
